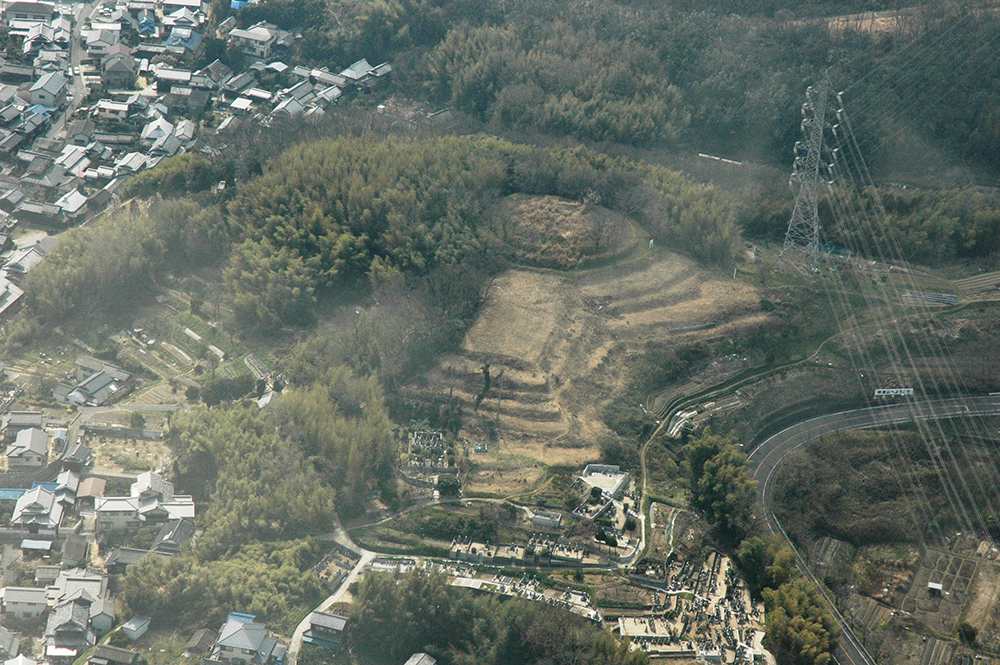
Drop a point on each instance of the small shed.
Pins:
(202, 641)
(135, 627)
(934, 589)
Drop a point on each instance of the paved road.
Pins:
(76, 87)
(341, 537)
(768, 456)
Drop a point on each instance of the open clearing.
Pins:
(556, 343)
(983, 612)
(551, 232)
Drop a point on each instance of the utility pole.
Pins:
(817, 160)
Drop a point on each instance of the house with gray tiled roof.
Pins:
(10, 644)
(68, 627)
(28, 12)
(23, 602)
(98, 381)
(99, 42)
(80, 132)
(49, 90)
(106, 654)
(15, 421)
(243, 641)
(173, 535)
(325, 629)
(29, 450)
(118, 67)
(102, 616)
(38, 513)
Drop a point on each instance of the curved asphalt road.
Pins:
(766, 458)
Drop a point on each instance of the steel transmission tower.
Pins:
(803, 227)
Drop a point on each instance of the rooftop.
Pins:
(31, 440)
(23, 594)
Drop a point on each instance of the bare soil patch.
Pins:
(123, 455)
(983, 612)
(557, 345)
(939, 610)
(130, 456)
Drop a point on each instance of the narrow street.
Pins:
(76, 89)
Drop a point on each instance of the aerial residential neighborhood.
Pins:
(484, 332)
(102, 92)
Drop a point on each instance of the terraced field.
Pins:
(555, 343)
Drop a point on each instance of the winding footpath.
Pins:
(341, 537)
(768, 456)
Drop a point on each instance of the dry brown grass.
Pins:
(552, 232)
(557, 344)
(983, 611)
(130, 456)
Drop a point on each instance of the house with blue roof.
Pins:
(184, 37)
(147, 23)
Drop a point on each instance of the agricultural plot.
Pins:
(556, 342)
(939, 608)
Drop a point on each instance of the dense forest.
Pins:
(419, 210)
(397, 616)
(331, 213)
(723, 75)
(268, 479)
(882, 487)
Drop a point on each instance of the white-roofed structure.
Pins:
(150, 485)
(38, 513)
(420, 659)
(156, 129)
(10, 298)
(258, 40)
(72, 203)
(21, 659)
(608, 477)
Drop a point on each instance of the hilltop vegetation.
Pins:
(554, 79)
(934, 226)
(335, 212)
(877, 487)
